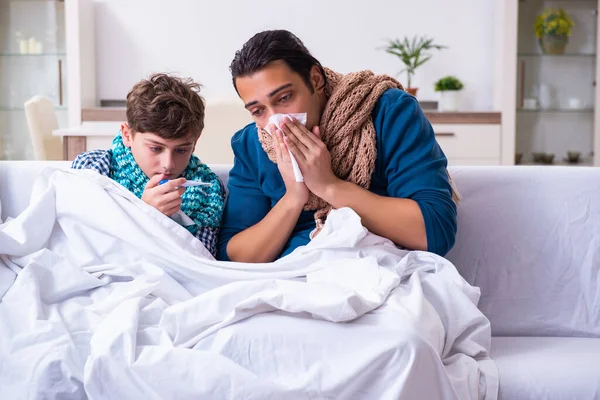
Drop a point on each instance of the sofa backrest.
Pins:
(529, 237)
(16, 182)
(17, 177)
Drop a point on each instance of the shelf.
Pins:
(17, 109)
(32, 55)
(566, 55)
(556, 110)
(584, 163)
(568, 1)
(50, 1)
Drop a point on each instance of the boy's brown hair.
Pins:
(167, 106)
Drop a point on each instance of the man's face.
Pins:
(276, 89)
(155, 155)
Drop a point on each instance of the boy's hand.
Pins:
(166, 198)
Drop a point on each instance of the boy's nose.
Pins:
(167, 161)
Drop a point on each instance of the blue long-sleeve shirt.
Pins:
(410, 164)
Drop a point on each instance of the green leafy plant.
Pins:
(412, 52)
(448, 83)
(553, 22)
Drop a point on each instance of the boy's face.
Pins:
(277, 89)
(155, 155)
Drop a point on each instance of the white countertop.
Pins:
(90, 129)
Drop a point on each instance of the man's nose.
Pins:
(266, 115)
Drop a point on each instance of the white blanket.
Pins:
(115, 301)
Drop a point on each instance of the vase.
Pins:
(546, 93)
(553, 44)
(449, 100)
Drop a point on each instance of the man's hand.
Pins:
(296, 192)
(312, 156)
(166, 198)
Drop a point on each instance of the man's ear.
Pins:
(317, 79)
(127, 134)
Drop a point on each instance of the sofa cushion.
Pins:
(547, 367)
(529, 237)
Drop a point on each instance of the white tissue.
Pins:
(277, 119)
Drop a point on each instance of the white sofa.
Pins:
(529, 237)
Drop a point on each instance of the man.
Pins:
(366, 145)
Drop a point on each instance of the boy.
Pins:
(165, 117)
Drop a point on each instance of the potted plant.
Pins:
(412, 53)
(553, 28)
(449, 88)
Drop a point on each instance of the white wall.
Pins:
(199, 38)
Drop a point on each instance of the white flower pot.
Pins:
(449, 100)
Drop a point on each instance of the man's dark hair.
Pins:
(167, 106)
(269, 46)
